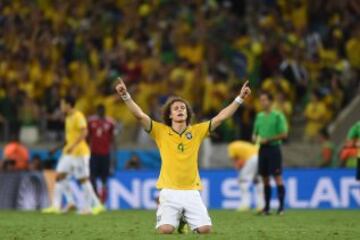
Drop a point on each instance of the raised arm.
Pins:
(143, 118)
(231, 108)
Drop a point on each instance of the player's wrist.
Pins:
(126, 97)
(239, 100)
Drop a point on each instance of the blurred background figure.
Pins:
(348, 155)
(16, 155)
(74, 163)
(36, 163)
(245, 158)
(133, 163)
(353, 139)
(101, 141)
(10, 104)
(315, 113)
(270, 130)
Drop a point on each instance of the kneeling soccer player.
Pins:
(179, 144)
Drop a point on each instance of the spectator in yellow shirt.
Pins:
(275, 83)
(315, 113)
(353, 49)
(192, 51)
(282, 104)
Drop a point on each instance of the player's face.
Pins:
(178, 112)
(265, 102)
(63, 106)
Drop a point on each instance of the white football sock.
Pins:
(89, 195)
(58, 191)
(245, 195)
(259, 188)
(67, 192)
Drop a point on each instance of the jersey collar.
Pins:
(180, 134)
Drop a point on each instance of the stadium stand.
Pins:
(199, 50)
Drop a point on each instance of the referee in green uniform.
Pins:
(269, 130)
(354, 137)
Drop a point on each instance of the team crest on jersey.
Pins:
(188, 135)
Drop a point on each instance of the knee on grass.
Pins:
(203, 229)
(166, 229)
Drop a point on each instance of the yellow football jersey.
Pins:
(242, 150)
(179, 155)
(73, 125)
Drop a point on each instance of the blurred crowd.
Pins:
(306, 53)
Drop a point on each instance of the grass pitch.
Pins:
(138, 224)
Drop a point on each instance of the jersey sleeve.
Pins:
(203, 129)
(155, 129)
(282, 124)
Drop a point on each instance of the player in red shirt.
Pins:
(101, 136)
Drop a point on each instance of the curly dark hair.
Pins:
(167, 109)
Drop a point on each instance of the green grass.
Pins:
(227, 225)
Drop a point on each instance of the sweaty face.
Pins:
(265, 102)
(178, 112)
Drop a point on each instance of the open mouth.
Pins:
(180, 115)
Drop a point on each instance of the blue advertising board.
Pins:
(306, 188)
